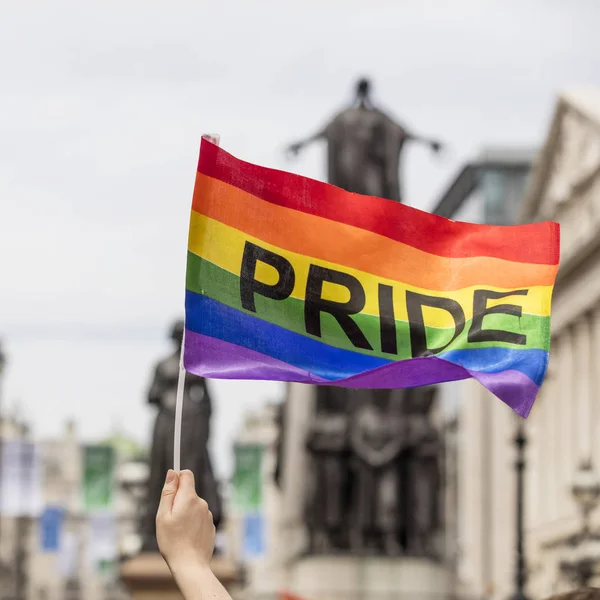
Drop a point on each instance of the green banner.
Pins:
(98, 472)
(247, 478)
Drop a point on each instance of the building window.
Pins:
(503, 191)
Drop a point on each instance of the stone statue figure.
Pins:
(423, 473)
(373, 484)
(377, 437)
(364, 147)
(197, 407)
(327, 477)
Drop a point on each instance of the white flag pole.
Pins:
(179, 412)
(214, 138)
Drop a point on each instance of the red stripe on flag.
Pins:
(536, 243)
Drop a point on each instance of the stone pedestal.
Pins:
(147, 577)
(368, 578)
(291, 537)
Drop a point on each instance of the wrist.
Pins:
(190, 573)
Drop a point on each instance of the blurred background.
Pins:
(102, 106)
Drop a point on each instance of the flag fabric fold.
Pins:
(295, 280)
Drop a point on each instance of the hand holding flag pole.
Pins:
(214, 138)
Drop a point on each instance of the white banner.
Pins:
(20, 479)
(102, 540)
(68, 555)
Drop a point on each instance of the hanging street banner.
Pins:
(247, 478)
(20, 479)
(253, 536)
(68, 556)
(98, 477)
(51, 524)
(102, 541)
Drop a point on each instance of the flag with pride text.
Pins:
(291, 279)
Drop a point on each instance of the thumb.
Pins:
(168, 493)
(187, 483)
(187, 488)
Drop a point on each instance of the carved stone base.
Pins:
(147, 577)
(368, 578)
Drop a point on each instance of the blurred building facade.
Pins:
(256, 548)
(31, 570)
(479, 454)
(565, 423)
(562, 430)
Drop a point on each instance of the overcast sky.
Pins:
(102, 105)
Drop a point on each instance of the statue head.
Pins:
(177, 332)
(420, 400)
(363, 91)
(381, 399)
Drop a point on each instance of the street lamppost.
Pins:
(520, 442)
(5, 571)
(583, 557)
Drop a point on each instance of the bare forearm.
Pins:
(199, 583)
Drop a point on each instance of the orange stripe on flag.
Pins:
(356, 248)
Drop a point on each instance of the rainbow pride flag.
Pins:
(291, 279)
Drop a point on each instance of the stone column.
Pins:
(299, 412)
(566, 414)
(471, 523)
(595, 387)
(545, 445)
(583, 375)
(550, 464)
(558, 405)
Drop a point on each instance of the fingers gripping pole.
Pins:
(181, 378)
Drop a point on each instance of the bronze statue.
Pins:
(373, 483)
(197, 408)
(327, 479)
(377, 438)
(374, 480)
(364, 147)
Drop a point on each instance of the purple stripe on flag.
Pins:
(408, 373)
(512, 387)
(210, 357)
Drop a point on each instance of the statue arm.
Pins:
(357, 443)
(375, 458)
(157, 388)
(406, 135)
(194, 382)
(391, 451)
(435, 145)
(295, 148)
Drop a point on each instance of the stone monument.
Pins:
(364, 147)
(328, 477)
(360, 470)
(370, 517)
(373, 485)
